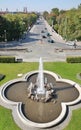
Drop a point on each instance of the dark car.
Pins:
(48, 34)
(42, 31)
(45, 28)
(51, 41)
(43, 36)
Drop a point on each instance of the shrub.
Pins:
(2, 76)
(5, 59)
(73, 59)
(18, 60)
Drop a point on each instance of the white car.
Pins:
(70, 43)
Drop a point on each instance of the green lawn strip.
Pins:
(6, 120)
(75, 123)
(12, 70)
(65, 70)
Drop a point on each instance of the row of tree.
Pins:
(13, 26)
(66, 23)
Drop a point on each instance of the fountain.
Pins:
(39, 99)
(41, 90)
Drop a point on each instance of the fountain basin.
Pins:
(64, 90)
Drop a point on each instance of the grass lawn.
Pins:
(65, 70)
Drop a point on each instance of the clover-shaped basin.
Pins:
(41, 114)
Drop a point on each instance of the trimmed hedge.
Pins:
(7, 59)
(73, 59)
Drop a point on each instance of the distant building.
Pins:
(2, 12)
(13, 12)
(25, 10)
(7, 10)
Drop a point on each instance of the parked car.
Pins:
(70, 43)
(45, 28)
(42, 31)
(43, 36)
(51, 41)
(48, 34)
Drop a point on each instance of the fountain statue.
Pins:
(41, 90)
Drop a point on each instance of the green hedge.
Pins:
(73, 59)
(5, 59)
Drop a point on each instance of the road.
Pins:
(34, 46)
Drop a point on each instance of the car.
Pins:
(42, 31)
(51, 41)
(48, 34)
(44, 36)
(37, 22)
(70, 43)
(45, 28)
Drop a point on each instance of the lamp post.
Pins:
(66, 27)
(52, 23)
(5, 36)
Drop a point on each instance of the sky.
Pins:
(38, 5)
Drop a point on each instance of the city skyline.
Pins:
(38, 5)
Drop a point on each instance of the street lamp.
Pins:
(52, 24)
(5, 36)
(66, 20)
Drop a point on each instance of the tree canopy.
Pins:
(14, 25)
(66, 22)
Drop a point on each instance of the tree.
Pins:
(55, 11)
(79, 7)
(45, 14)
(3, 27)
(14, 25)
(62, 12)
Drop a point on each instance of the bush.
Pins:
(5, 59)
(19, 60)
(2, 76)
(73, 59)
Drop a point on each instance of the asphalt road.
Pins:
(34, 46)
